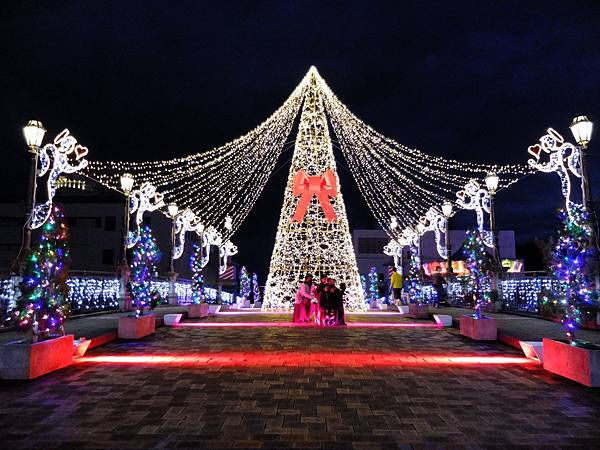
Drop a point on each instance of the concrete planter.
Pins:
(214, 309)
(26, 361)
(196, 310)
(483, 329)
(131, 327)
(417, 311)
(575, 363)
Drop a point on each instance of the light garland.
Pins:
(7, 299)
(63, 156)
(88, 294)
(313, 234)
(255, 288)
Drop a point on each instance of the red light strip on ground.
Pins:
(304, 325)
(305, 359)
(250, 311)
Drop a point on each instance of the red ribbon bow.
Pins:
(323, 186)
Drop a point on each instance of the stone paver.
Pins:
(300, 387)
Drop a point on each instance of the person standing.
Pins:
(438, 282)
(396, 283)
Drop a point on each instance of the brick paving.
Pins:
(359, 388)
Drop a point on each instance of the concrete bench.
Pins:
(533, 350)
(172, 319)
(443, 320)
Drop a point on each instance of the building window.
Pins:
(371, 245)
(110, 223)
(108, 257)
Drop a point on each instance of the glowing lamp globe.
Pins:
(34, 133)
(394, 223)
(172, 209)
(447, 209)
(127, 181)
(581, 127)
(491, 181)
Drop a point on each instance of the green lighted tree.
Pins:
(43, 305)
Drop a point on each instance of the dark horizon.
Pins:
(475, 81)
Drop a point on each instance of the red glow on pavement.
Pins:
(250, 311)
(305, 359)
(292, 324)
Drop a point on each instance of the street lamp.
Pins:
(34, 133)
(127, 182)
(582, 128)
(491, 182)
(447, 208)
(172, 210)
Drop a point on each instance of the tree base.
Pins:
(483, 329)
(136, 327)
(575, 363)
(26, 361)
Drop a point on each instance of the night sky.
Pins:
(475, 81)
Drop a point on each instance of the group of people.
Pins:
(322, 304)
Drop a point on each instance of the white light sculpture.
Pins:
(65, 155)
(563, 158)
(473, 197)
(141, 200)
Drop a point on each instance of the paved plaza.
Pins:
(247, 381)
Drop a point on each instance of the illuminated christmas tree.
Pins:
(413, 276)
(245, 287)
(570, 261)
(43, 305)
(373, 284)
(480, 265)
(313, 235)
(144, 258)
(255, 289)
(197, 277)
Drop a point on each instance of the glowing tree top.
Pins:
(43, 305)
(313, 235)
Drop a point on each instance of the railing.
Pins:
(516, 294)
(91, 292)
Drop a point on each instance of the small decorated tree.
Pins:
(144, 259)
(413, 278)
(372, 284)
(480, 265)
(255, 288)
(363, 283)
(570, 267)
(197, 277)
(43, 305)
(245, 283)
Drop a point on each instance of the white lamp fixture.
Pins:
(581, 127)
(491, 181)
(447, 209)
(127, 181)
(34, 133)
(172, 209)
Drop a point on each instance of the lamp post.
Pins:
(420, 231)
(491, 182)
(582, 127)
(34, 133)
(172, 211)
(127, 182)
(447, 212)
